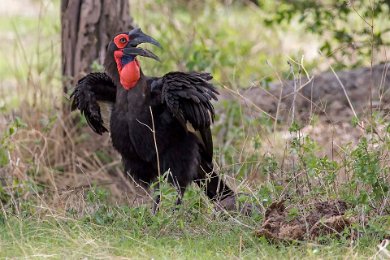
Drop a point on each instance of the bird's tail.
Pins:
(215, 188)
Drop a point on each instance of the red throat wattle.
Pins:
(129, 74)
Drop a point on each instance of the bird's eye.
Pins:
(122, 40)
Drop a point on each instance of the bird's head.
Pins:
(123, 49)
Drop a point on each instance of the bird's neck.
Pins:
(133, 99)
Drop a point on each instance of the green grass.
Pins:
(135, 233)
(193, 231)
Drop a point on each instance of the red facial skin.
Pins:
(129, 74)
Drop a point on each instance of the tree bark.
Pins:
(324, 95)
(87, 28)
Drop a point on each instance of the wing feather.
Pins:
(188, 97)
(90, 92)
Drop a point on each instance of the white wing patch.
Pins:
(105, 111)
(190, 128)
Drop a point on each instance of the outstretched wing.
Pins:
(93, 92)
(188, 96)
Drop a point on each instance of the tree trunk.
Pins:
(87, 28)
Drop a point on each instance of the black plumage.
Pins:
(157, 122)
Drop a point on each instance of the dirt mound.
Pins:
(309, 222)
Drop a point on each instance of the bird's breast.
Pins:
(131, 123)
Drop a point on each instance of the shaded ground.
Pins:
(336, 97)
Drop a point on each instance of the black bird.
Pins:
(156, 123)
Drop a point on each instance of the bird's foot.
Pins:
(230, 204)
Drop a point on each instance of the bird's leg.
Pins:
(180, 193)
(156, 200)
(156, 204)
(179, 200)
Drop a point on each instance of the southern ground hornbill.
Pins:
(156, 124)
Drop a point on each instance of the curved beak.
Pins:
(134, 51)
(137, 37)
